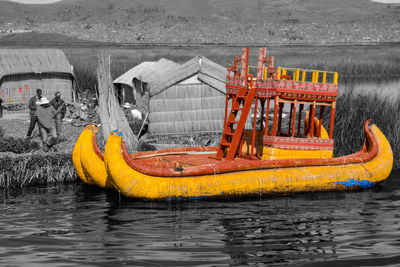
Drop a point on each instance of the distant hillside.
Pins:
(208, 20)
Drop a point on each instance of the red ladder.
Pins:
(232, 136)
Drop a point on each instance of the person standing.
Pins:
(60, 107)
(45, 116)
(32, 111)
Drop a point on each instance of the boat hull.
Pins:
(89, 160)
(250, 182)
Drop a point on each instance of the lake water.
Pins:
(78, 225)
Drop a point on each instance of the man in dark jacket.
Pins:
(60, 107)
(32, 111)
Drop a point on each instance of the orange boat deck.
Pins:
(179, 162)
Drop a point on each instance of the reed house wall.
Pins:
(187, 108)
(19, 88)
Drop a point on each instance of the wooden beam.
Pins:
(274, 123)
(332, 120)
(267, 117)
(294, 118)
(299, 119)
(312, 120)
(253, 138)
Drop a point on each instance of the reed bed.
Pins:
(350, 61)
(353, 109)
(28, 169)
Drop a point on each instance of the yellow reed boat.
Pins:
(270, 158)
(89, 160)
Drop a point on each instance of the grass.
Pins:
(28, 169)
(354, 109)
(381, 61)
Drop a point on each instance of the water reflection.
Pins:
(78, 225)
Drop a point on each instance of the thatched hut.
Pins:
(22, 71)
(188, 98)
(131, 87)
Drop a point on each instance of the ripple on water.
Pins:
(78, 225)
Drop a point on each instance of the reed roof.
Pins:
(208, 72)
(23, 61)
(147, 72)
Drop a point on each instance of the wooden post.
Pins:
(333, 107)
(294, 118)
(262, 114)
(111, 115)
(267, 117)
(226, 108)
(299, 120)
(312, 119)
(276, 105)
(321, 112)
(253, 138)
(290, 119)
(297, 74)
(335, 78)
(281, 105)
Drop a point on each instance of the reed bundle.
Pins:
(17, 170)
(187, 108)
(111, 115)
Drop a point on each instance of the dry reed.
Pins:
(111, 115)
(18, 170)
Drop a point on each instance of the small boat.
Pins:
(273, 157)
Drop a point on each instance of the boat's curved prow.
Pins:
(92, 159)
(76, 159)
(371, 165)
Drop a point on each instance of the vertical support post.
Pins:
(290, 119)
(333, 107)
(294, 118)
(297, 74)
(316, 76)
(253, 138)
(299, 119)
(262, 114)
(278, 74)
(244, 65)
(335, 78)
(274, 124)
(283, 74)
(267, 117)
(324, 77)
(226, 108)
(312, 119)
(281, 105)
(261, 60)
(265, 73)
(303, 78)
(321, 113)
